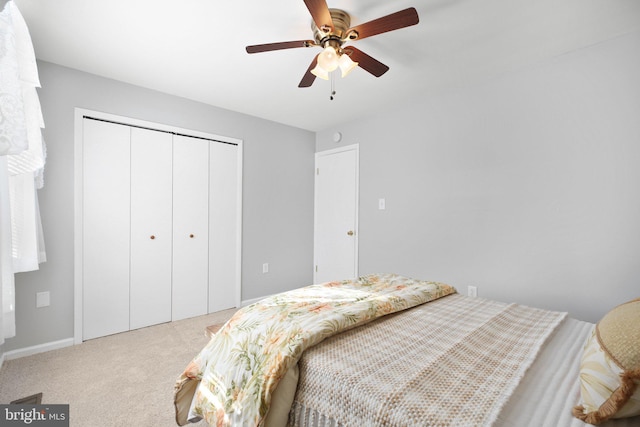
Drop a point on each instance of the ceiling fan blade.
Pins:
(278, 46)
(395, 21)
(366, 62)
(309, 78)
(320, 13)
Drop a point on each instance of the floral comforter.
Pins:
(241, 366)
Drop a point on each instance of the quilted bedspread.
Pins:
(241, 366)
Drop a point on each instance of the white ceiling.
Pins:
(196, 48)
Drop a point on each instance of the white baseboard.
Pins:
(251, 301)
(40, 348)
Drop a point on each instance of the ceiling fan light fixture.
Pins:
(320, 72)
(346, 64)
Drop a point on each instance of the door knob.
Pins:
(350, 233)
(152, 237)
(191, 236)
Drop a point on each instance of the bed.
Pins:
(387, 350)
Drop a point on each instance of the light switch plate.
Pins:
(43, 299)
(382, 204)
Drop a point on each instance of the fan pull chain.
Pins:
(333, 84)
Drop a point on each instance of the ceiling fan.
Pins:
(332, 30)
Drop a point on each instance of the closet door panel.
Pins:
(223, 233)
(190, 227)
(105, 234)
(151, 227)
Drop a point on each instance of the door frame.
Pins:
(356, 148)
(79, 115)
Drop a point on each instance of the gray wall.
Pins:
(527, 186)
(277, 194)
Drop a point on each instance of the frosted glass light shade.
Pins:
(328, 59)
(346, 64)
(318, 71)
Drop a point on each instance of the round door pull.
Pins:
(191, 236)
(152, 237)
(350, 233)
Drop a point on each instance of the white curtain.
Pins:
(22, 158)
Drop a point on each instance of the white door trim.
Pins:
(79, 114)
(356, 148)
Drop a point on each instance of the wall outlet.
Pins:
(265, 267)
(43, 299)
(472, 291)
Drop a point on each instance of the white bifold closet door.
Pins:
(160, 229)
(105, 233)
(224, 216)
(191, 226)
(151, 227)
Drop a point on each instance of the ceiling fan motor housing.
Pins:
(341, 23)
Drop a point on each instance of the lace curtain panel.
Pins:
(22, 159)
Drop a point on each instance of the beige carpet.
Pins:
(120, 380)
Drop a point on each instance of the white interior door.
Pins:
(336, 214)
(105, 234)
(151, 227)
(190, 287)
